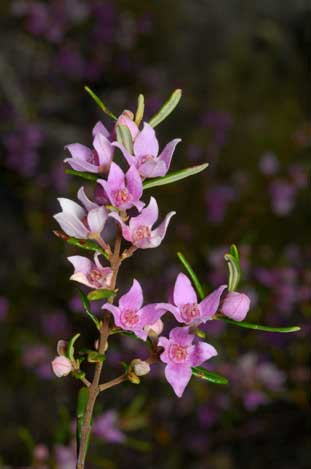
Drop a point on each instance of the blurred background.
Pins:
(243, 68)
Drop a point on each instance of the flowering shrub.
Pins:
(183, 349)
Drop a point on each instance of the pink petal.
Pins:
(150, 314)
(178, 376)
(96, 219)
(181, 335)
(148, 216)
(104, 150)
(80, 264)
(134, 183)
(235, 305)
(146, 142)
(99, 128)
(159, 233)
(115, 312)
(152, 168)
(210, 304)
(129, 158)
(202, 352)
(81, 278)
(88, 204)
(164, 342)
(126, 233)
(129, 123)
(133, 299)
(71, 207)
(79, 165)
(115, 177)
(167, 152)
(172, 309)
(71, 225)
(184, 291)
(78, 151)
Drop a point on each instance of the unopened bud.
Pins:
(61, 366)
(140, 367)
(155, 329)
(235, 305)
(61, 347)
(96, 345)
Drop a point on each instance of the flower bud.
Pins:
(133, 378)
(61, 366)
(61, 347)
(155, 329)
(96, 345)
(235, 305)
(140, 367)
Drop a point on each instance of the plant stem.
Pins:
(94, 388)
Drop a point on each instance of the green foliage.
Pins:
(175, 176)
(167, 108)
(202, 373)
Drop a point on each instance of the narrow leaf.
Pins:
(175, 176)
(99, 294)
(82, 401)
(202, 373)
(70, 346)
(140, 109)
(234, 271)
(87, 307)
(87, 244)
(95, 357)
(259, 327)
(166, 109)
(83, 174)
(99, 102)
(193, 276)
(124, 137)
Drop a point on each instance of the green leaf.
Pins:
(259, 327)
(99, 294)
(83, 174)
(124, 137)
(202, 373)
(87, 244)
(95, 357)
(140, 109)
(70, 347)
(175, 176)
(166, 109)
(82, 401)
(233, 263)
(99, 102)
(87, 307)
(193, 276)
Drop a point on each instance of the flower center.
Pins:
(178, 353)
(189, 311)
(122, 196)
(145, 158)
(93, 158)
(141, 233)
(129, 317)
(97, 277)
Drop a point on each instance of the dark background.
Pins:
(244, 70)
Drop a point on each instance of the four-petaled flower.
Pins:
(123, 190)
(131, 315)
(186, 308)
(96, 160)
(146, 150)
(139, 230)
(92, 274)
(81, 223)
(180, 354)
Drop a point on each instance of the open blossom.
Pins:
(139, 231)
(79, 222)
(96, 160)
(146, 156)
(61, 366)
(106, 426)
(186, 308)
(235, 305)
(92, 274)
(180, 354)
(123, 190)
(131, 315)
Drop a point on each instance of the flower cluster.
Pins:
(117, 196)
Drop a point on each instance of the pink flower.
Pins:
(81, 223)
(139, 231)
(180, 355)
(156, 328)
(92, 274)
(123, 190)
(106, 426)
(146, 150)
(186, 308)
(130, 315)
(235, 305)
(61, 366)
(96, 160)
